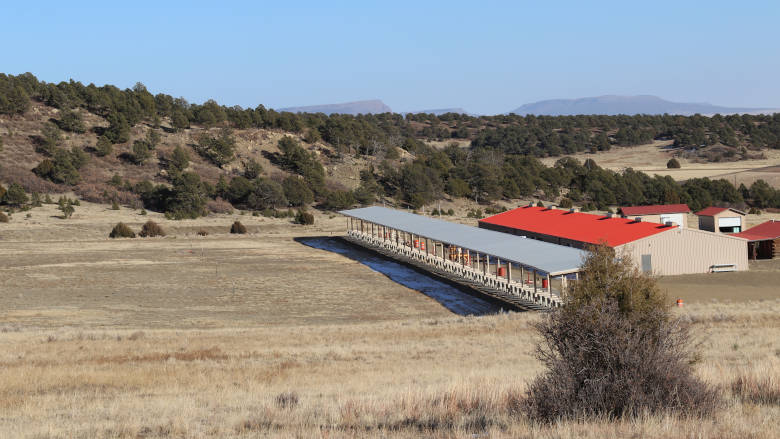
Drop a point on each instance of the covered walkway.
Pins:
(518, 266)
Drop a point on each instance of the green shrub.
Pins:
(35, 200)
(304, 218)
(121, 230)
(151, 229)
(114, 205)
(67, 210)
(15, 195)
(238, 228)
(673, 163)
(615, 350)
(104, 146)
(203, 232)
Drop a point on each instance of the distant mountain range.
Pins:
(606, 105)
(372, 106)
(612, 105)
(440, 111)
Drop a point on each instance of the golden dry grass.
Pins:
(136, 339)
(651, 159)
(453, 376)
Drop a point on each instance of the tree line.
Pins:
(500, 164)
(376, 134)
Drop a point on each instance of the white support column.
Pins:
(486, 265)
(534, 281)
(549, 284)
(522, 275)
(498, 266)
(509, 272)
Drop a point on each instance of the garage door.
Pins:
(729, 222)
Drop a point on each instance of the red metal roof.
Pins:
(576, 226)
(761, 232)
(655, 209)
(712, 211)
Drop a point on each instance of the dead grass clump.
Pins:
(212, 354)
(121, 230)
(203, 232)
(151, 229)
(287, 400)
(3, 217)
(29, 181)
(137, 335)
(104, 194)
(757, 390)
(238, 228)
(219, 206)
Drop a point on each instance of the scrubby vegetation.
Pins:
(121, 230)
(399, 167)
(238, 228)
(304, 218)
(151, 229)
(615, 350)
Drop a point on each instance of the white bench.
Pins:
(720, 268)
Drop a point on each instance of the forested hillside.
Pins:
(138, 148)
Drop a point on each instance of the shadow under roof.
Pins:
(550, 258)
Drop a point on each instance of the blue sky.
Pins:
(487, 57)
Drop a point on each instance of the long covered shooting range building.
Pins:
(663, 249)
(518, 266)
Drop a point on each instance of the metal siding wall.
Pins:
(686, 251)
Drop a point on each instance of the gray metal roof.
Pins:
(543, 256)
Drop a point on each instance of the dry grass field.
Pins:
(259, 335)
(652, 159)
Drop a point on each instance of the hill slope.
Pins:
(614, 105)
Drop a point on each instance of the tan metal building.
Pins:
(721, 220)
(686, 251)
(658, 248)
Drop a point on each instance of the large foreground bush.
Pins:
(614, 350)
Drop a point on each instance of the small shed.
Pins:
(763, 240)
(721, 219)
(659, 213)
